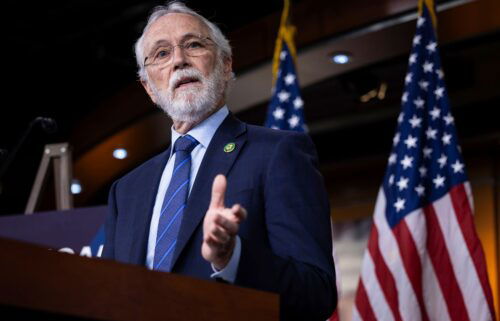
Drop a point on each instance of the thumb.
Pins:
(218, 191)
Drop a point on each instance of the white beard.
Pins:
(192, 104)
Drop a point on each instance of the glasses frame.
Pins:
(182, 47)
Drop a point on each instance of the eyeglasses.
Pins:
(193, 47)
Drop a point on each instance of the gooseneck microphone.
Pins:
(48, 125)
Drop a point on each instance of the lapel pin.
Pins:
(229, 147)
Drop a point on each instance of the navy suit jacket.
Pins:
(286, 238)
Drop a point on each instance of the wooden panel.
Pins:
(63, 284)
(481, 173)
(97, 167)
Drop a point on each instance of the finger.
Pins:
(212, 243)
(231, 214)
(218, 191)
(216, 246)
(239, 212)
(230, 226)
(210, 238)
(219, 235)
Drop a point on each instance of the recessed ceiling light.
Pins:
(120, 153)
(76, 187)
(341, 58)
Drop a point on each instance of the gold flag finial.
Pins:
(430, 6)
(286, 33)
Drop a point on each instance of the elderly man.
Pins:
(227, 201)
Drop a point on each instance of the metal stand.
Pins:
(61, 154)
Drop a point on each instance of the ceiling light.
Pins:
(76, 187)
(120, 153)
(341, 58)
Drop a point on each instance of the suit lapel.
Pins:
(216, 161)
(143, 207)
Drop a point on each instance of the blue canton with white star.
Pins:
(286, 107)
(425, 161)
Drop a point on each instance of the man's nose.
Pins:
(179, 58)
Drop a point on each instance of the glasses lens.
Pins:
(193, 47)
(162, 55)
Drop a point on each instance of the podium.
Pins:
(39, 284)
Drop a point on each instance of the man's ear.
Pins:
(148, 89)
(228, 68)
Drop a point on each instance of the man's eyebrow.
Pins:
(163, 42)
(191, 35)
(159, 43)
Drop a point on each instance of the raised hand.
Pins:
(220, 226)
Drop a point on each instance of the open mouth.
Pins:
(187, 81)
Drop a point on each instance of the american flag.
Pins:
(424, 260)
(286, 107)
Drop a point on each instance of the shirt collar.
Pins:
(204, 131)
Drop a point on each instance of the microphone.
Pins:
(49, 125)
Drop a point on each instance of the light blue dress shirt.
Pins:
(203, 133)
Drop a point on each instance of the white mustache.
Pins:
(184, 73)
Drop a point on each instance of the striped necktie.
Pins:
(174, 204)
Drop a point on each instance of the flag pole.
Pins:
(286, 32)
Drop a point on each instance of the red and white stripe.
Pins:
(428, 267)
(335, 315)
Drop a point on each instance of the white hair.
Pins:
(216, 34)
